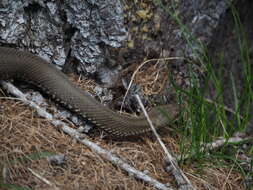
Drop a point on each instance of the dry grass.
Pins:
(153, 77)
(23, 133)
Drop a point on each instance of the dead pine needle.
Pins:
(107, 155)
(138, 68)
(180, 177)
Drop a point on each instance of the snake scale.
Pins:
(24, 66)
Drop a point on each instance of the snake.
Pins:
(24, 66)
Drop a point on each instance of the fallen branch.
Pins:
(116, 160)
(182, 181)
(220, 142)
(80, 137)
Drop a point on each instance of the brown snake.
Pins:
(24, 66)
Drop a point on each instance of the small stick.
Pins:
(138, 68)
(40, 177)
(180, 177)
(107, 155)
(237, 138)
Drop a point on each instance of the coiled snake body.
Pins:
(21, 65)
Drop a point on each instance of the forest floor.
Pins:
(24, 135)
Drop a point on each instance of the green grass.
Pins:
(21, 160)
(202, 121)
(13, 187)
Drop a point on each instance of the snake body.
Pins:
(24, 66)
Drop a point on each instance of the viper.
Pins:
(24, 66)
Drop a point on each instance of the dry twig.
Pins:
(237, 138)
(181, 179)
(138, 68)
(80, 138)
(41, 178)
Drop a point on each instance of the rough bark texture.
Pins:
(53, 28)
(201, 17)
(153, 33)
(212, 23)
(84, 30)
